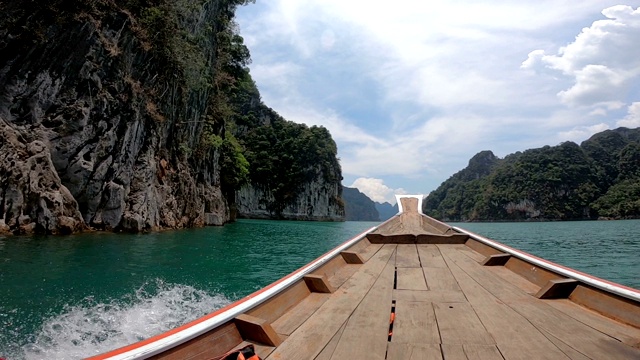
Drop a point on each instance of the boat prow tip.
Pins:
(399, 201)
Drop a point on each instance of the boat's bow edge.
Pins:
(602, 284)
(162, 342)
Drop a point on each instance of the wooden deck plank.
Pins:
(515, 336)
(343, 274)
(367, 330)
(312, 336)
(572, 353)
(369, 251)
(429, 295)
(459, 324)
(398, 351)
(514, 279)
(544, 317)
(328, 350)
(415, 323)
(483, 352)
(624, 333)
(411, 278)
(474, 255)
(430, 256)
(453, 352)
(407, 256)
(577, 335)
(440, 279)
(471, 352)
(293, 318)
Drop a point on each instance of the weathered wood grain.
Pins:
(415, 323)
(430, 256)
(295, 317)
(411, 278)
(308, 340)
(515, 336)
(407, 256)
(399, 351)
(459, 324)
(440, 279)
(366, 333)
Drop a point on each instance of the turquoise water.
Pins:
(71, 297)
(606, 249)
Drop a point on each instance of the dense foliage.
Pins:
(599, 178)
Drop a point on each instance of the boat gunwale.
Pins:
(608, 286)
(174, 337)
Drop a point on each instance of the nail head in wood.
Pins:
(256, 329)
(496, 260)
(557, 289)
(318, 283)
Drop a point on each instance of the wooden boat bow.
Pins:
(416, 288)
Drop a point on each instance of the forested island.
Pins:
(141, 115)
(598, 179)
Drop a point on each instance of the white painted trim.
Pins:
(617, 289)
(419, 197)
(178, 338)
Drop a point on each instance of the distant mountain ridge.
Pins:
(386, 210)
(358, 206)
(600, 178)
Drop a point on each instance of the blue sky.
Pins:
(412, 90)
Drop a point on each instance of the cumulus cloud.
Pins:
(417, 97)
(603, 60)
(376, 190)
(632, 120)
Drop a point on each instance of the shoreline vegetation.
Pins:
(598, 179)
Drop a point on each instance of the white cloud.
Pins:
(632, 120)
(416, 89)
(603, 60)
(580, 133)
(376, 190)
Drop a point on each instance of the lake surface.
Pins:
(76, 296)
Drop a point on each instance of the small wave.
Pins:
(91, 328)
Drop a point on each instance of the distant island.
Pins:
(598, 179)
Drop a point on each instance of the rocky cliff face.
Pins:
(318, 201)
(140, 115)
(95, 131)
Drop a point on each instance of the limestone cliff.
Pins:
(317, 201)
(110, 114)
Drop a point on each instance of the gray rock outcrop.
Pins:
(317, 201)
(95, 134)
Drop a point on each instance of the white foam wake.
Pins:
(91, 328)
